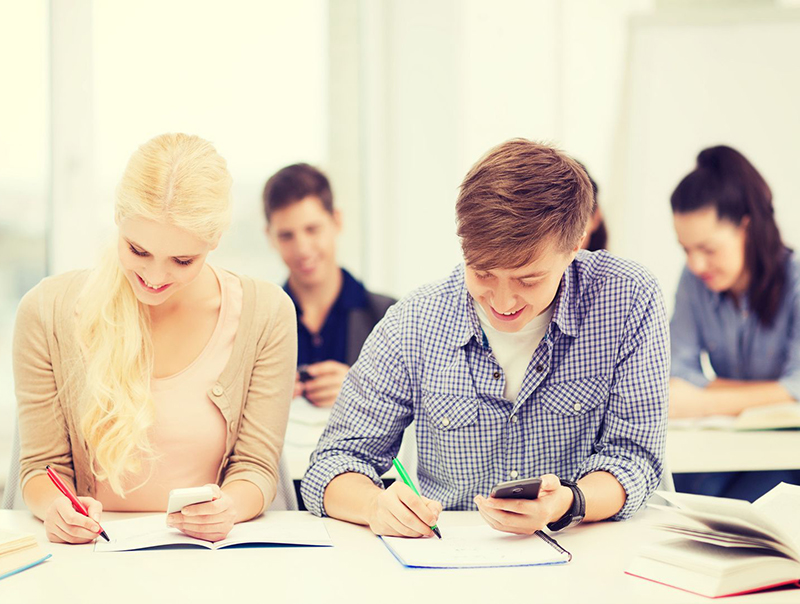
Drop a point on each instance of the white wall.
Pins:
(446, 81)
(249, 76)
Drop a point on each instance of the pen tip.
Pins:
(104, 536)
(436, 532)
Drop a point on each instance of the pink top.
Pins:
(189, 431)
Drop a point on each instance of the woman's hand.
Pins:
(62, 524)
(526, 516)
(211, 521)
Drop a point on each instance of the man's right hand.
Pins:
(400, 512)
(63, 524)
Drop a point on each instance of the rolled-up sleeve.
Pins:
(633, 438)
(686, 345)
(367, 422)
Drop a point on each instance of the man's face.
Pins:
(512, 297)
(304, 234)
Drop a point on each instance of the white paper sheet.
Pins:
(474, 546)
(151, 531)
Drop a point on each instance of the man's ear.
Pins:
(337, 218)
(270, 238)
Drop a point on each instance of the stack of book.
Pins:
(724, 547)
(18, 552)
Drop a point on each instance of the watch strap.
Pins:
(576, 511)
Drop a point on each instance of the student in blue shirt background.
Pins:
(335, 312)
(534, 358)
(738, 300)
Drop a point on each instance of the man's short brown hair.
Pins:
(517, 198)
(294, 183)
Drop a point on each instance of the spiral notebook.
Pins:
(477, 547)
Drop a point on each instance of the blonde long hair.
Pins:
(174, 178)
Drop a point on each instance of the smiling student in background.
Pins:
(738, 301)
(155, 371)
(533, 358)
(335, 312)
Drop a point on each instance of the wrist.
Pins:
(565, 498)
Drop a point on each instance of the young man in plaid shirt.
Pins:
(533, 358)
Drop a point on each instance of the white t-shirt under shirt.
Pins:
(513, 351)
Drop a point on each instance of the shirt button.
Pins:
(217, 390)
(496, 375)
(445, 422)
(513, 419)
(232, 426)
(513, 474)
(577, 406)
(539, 369)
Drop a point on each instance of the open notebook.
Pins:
(476, 547)
(151, 531)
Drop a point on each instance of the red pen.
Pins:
(74, 500)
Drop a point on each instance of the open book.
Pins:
(475, 547)
(781, 416)
(18, 552)
(726, 546)
(151, 531)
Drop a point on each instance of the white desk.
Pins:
(357, 569)
(694, 450)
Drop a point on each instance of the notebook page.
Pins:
(474, 546)
(780, 505)
(139, 533)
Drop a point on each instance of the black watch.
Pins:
(576, 511)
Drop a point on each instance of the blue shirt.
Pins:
(594, 396)
(738, 345)
(331, 341)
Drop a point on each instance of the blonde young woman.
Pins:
(155, 371)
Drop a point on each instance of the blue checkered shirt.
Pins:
(594, 397)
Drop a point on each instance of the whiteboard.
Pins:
(695, 80)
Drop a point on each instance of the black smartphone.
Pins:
(305, 376)
(526, 488)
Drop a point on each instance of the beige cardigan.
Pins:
(252, 393)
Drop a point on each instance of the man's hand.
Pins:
(526, 516)
(328, 377)
(400, 512)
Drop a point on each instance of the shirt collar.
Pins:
(352, 295)
(565, 315)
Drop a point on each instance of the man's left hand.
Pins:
(328, 378)
(526, 516)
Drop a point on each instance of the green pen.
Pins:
(404, 475)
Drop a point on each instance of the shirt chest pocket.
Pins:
(452, 439)
(570, 414)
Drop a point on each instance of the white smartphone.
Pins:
(180, 498)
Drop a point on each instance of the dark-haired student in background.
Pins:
(335, 313)
(738, 301)
(597, 235)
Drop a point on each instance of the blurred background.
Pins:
(395, 100)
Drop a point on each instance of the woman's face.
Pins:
(159, 259)
(714, 249)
